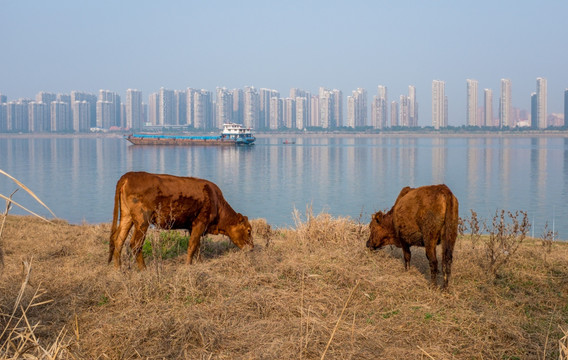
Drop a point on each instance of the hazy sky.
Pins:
(59, 46)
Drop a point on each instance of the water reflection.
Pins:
(348, 176)
(439, 157)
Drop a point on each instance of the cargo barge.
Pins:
(232, 134)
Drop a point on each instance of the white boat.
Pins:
(237, 132)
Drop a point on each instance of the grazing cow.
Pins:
(423, 216)
(172, 202)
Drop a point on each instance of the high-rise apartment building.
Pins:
(265, 96)
(326, 108)
(439, 105)
(565, 107)
(224, 107)
(238, 106)
(351, 110)
(394, 114)
(541, 111)
(89, 98)
(403, 111)
(357, 108)
(45, 97)
(61, 120)
(315, 111)
(66, 98)
(412, 106)
(488, 107)
(81, 113)
(289, 113)
(296, 94)
(166, 107)
(190, 106)
(17, 115)
(153, 108)
(108, 109)
(534, 114)
(180, 107)
(251, 111)
(134, 109)
(337, 108)
(276, 110)
(105, 114)
(3, 117)
(471, 105)
(38, 116)
(203, 109)
(330, 108)
(264, 108)
(505, 104)
(379, 109)
(301, 112)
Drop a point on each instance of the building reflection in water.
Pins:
(474, 170)
(439, 158)
(565, 163)
(538, 171)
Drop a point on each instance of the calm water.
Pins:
(349, 176)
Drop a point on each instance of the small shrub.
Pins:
(476, 230)
(547, 237)
(462, 226)
(471, 223)
(504, 238)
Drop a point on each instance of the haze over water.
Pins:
(344, 176)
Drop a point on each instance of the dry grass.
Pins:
(311, 292)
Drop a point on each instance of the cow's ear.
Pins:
(379, 216)
(241, 218)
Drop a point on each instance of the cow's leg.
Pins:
(122, 232)
(197, 230)
(407, 256)
(137, 242)
(431, 255)
(447, 257)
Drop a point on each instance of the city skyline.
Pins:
(265, 109)
(204, 45)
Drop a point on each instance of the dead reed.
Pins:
(18, 338)
(309, 292)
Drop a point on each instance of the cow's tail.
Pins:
(114, 226)
(450, 234)
(452, 220)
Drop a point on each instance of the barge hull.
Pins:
(179, 141)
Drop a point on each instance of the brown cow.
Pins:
(423, 216)
(172, 202)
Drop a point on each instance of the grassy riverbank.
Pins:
(302, 293)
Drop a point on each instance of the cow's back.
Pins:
(424, 210)
(168, 200)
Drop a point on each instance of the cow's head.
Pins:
(241, 232)
(382, 231)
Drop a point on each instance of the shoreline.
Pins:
(263, 135)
